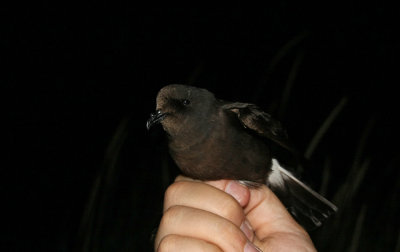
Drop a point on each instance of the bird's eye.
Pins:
(185, 102)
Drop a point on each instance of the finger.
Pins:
(183, 243)
(203, 225)
(238, 191)
(202, 196)
(270, 219)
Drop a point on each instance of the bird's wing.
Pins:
(253, 118)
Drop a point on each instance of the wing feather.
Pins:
(260, 122)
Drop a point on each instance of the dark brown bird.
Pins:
(211, 139)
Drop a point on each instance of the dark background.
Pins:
(77, 72)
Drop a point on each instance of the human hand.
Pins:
(226, 216)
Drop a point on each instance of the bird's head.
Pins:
(181, 109)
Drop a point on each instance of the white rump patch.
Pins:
(275, 177)
(279, 174)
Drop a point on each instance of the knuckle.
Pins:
(170, 215)
(231, 210)
(230, 232)
(173, 190)
(167, 243)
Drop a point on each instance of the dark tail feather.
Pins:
(308, 207)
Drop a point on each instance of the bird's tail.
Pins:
(308, 207)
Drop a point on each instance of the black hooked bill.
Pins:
(155, 118)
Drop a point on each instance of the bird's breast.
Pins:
(225, 151)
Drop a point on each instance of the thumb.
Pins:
(238, 191)
(269, 217)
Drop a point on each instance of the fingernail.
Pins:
(250, 247)
(247, 230)
(239, 192)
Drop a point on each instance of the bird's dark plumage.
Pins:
(212, 139)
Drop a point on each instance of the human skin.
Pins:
(224, 215)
